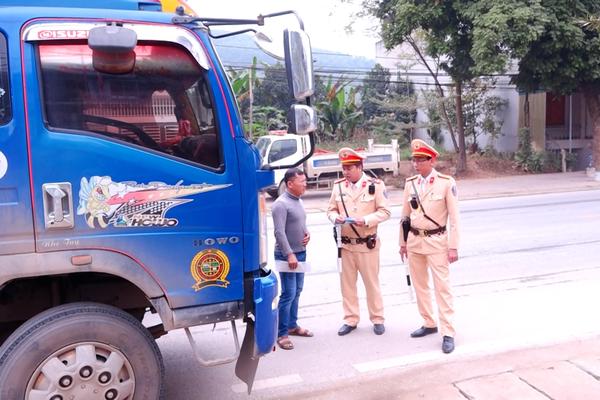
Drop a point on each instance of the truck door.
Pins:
(16, 235)
(140, 164)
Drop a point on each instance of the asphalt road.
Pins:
(515, 251)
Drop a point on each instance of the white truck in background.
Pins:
(324, 167)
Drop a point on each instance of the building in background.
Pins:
(557, 122)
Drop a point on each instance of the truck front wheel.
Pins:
(81, 351)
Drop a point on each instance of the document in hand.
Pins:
(283, 266)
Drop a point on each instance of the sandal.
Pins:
(285, 343)
(298, 331)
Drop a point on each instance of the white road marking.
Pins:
(269, 383)
(396, 361)
(479, 349)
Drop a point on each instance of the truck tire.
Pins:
(81, 351)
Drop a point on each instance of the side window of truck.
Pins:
(164, 104)
(282, 149)
(5, 107)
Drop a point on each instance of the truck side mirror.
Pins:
(112, 49)
(298, 63)
(303, 119)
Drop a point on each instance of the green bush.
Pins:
(526, 158)
(552, 162)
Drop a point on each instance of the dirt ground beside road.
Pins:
(478, 167)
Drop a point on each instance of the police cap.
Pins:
(421, 149)
(350, 156)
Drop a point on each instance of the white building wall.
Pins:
(402, 58)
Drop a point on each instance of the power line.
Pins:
(357, 70)
(360, 77)
(362, 71)
(335, 54)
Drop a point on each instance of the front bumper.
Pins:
(265, 312)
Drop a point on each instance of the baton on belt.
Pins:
(410, 290)
(405, 230)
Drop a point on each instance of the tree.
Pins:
(264, 103)
(376, 85)
(272, 90)
(563, 57)
(268, 118)
(456, 32)
(481, 111)
(446, 33)
(439, 114)
(397, 120)
(441, 100)
(242, 82)
(338, 112)
(389, 107)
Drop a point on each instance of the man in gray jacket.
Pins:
(291, 238)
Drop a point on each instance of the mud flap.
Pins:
(247, 362)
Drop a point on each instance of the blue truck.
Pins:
(129, 192)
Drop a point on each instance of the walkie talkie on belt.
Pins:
(415, 202)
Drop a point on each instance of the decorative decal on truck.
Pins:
(132, 204)
(210, 268)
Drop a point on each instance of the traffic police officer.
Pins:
(429, 239)
(360, 204)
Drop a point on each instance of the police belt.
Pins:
(428, 232)
(349, 240)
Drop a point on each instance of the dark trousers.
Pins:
(291, 287)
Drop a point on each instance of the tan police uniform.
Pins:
(356, 257)
(438, 199)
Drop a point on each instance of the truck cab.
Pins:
(127, 187)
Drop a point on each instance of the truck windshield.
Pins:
(164, 104)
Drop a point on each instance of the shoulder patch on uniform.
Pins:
(444, 176)
(412, 178)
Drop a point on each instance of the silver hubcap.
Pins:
(90, 371)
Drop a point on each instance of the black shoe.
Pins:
(346, 329)
(423, 331)
(379, 329)
(448, 344)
